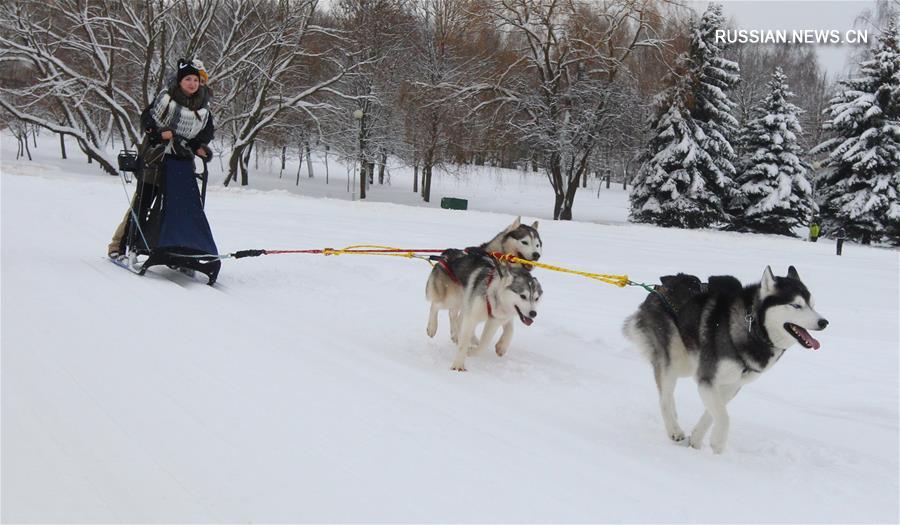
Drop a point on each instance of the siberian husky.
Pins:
(724, 335)
(446, 282)
(495, 294)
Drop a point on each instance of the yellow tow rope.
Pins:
(390, 251)
(618, 280)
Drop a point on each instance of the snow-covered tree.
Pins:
(714, 76)
(438, 57)
(860, 188)
(555, 79)
(671, 189)
(774, 194)
(688, 168)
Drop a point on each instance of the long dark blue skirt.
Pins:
(184, 231)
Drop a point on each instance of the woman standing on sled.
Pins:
(177, 125)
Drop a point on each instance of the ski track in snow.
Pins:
(303, 387)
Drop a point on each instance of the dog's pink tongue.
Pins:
(527, 320)
(810, 340)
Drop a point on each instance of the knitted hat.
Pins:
(185, 68)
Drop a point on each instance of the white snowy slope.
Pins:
(303, 388)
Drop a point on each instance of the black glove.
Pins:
(181, 148)
(154, 135)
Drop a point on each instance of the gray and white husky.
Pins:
(724, 335)
(496, 294)
(446, 282)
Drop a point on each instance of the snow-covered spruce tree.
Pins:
(774, 194)
(671, 189)
(860, 187)
(713, 77)
(688, 175)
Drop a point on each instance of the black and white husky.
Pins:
(447, 280)
(724, 335)
(496, 294)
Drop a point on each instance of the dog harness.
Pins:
(446, 267)
(442, 262)
(487, 297)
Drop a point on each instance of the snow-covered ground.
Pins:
(303, 388)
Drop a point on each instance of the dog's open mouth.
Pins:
(524, 318)
(802, 336)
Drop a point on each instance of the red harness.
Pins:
(446, 267)
(487, 299)
(448, 271)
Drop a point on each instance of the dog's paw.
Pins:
(501, 349)
(677, 436)
(717, 448)
(458, 368)
(454, 338)
(431, 329)
(695, 443)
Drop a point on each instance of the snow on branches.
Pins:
(688, 174)
(860, 187)
(774, 194)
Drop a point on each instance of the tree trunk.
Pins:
(326, 164)
(309, 166)
(416, 178)
(245, 169)
(237, 164)
(381, 167)
(62, 145)
(245, 165)
(25, 140)
(362, 156)
(299, 162)
(283, 159)
(568, 197)
(427, 171)
(554, 173)
(426, 182)
(565, 213)
(34, 136)
(233, 162)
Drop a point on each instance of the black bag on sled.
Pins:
(173, 228)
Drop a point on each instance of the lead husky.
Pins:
(724, 337)
(445, 283)
(495, 294)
